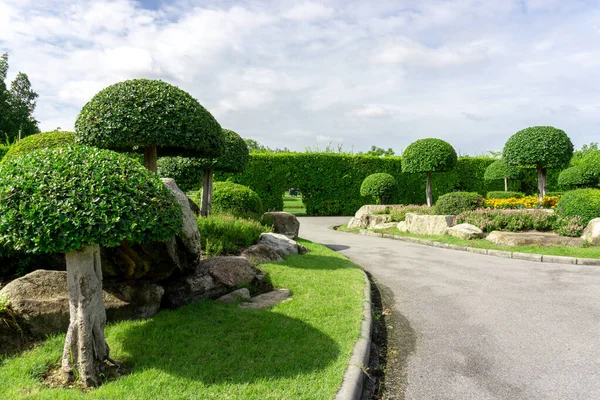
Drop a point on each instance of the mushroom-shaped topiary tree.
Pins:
(429, 155)
(73, 200)
(541, 147)
(500, 170)
(381, 186)
(152, 115)
(572, 178)
(40, 141)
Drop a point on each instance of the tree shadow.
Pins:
(216, 343)
(336, 247)
(313, 261)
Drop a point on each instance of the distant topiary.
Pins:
(235, 199)
(71, 200)
(504, 195)
(429, 155)
(456, 202)
(152, 115)
(186, 171)
(584, 203)
(500, 170)
(39, 141)
(589, 166)
(572, 178)
(541, 147)
(382, 187)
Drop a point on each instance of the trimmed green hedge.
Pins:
(330, 183)
(584, 203)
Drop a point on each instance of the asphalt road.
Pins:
(481, 327)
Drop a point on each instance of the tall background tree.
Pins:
(17, 104)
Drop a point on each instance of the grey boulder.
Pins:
(591, 233)
(261, 253)
(281, 244)
(236, 296)
(284, 223)
(465, 231)
(267, 300)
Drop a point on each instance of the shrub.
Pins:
(584, 203)
(499, 169)
(589, 166)
(39, 141)
(457, 202)
(504, 195)
(511, 220)
(398, 214)
(542, 147)
(4, 148)
(572, 178)
(235, 199)
(380, 186)
(565, 226)
(187, 171)
(522, 202)
(227, 234)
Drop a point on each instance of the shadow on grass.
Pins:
(216, 343)
(313, 261)
(336, 247)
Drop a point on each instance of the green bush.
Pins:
(381, 187)
(227, 234)
(141, 112)
(584, 203)
(504, 195)
(236, 156)
(572, 178)
(545, 146)
(590, 167)
(39, 141)
(235, 199)
(398, 214)
(457, 202)
(62, 199)
(4, 148)
(430, 154)
(500, 170)
(187, 171)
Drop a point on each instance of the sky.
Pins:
(309, 73)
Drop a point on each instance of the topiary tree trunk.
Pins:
(505, 184)
(85, 346)
(541, 182)
(207, 183)
(428, 191)
(150, 157)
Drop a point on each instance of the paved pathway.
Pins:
(483, 327)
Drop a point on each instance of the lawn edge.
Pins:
(352, 384)
(534, 257)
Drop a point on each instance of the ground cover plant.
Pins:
(298, 350)
(222, 233)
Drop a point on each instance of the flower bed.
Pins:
(523, 202)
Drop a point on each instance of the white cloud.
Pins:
(308, 11)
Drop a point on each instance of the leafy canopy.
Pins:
(500, 170)
(380, 186)
(543, 146)
(235, 199)
(589, 166)
(40, 141)
(63, 199)
(429, 155)
(572, 178)
(143, 112)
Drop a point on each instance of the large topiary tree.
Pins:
(541, 147)
(152, 115)
(500, 170)
(73, 200)
(429, 155)
(40, 141)
(381, 186)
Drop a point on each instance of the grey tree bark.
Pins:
(428, 191)
(150, 157)
(207, 184)
(85, 346)
(541, 182)
(505, 184)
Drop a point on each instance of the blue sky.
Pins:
(297, 73)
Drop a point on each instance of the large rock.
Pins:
(402, 226)
(41, 301)
(420, 224)
(591, 233)
(365, 218)
(261, 253)
(284, 223)
(212, 278)
(532, 238)
(281, 244)
(465, 231)
(385, 225)
(157, 260)
(267, 300)
(236, 296)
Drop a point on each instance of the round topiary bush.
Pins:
(187, 171)
(501, 170)
(504, 195)
(235, 157)
(382, 187)
(235, 199)
(429, 155)
(584, 203)
(71, 200)
(38, 141)
(541, 147)
(572, 178)
(152, 115)
(589, 166)
(456, 202)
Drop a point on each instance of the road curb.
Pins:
(490, 252)
(351, 388)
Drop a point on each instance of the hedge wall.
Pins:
(330, 183)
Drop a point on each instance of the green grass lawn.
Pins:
(293, 205)
(580, 252)
(297, 350)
